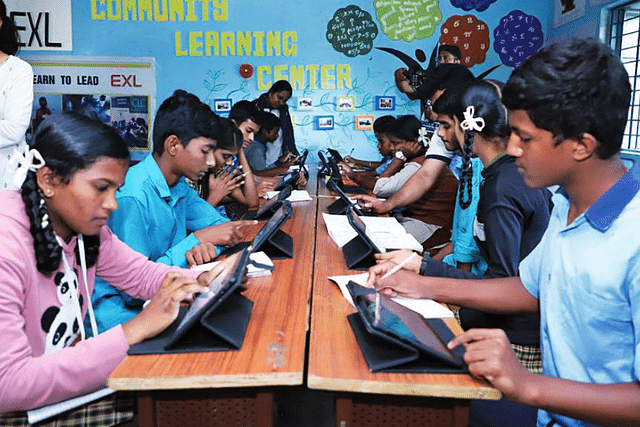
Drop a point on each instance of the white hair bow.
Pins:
(423, 137)
(31, 160)
(470, 122)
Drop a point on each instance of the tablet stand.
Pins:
(278, 246)
(222, 329)
(358, 254)
(339, 207)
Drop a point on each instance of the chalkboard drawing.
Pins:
(351, 31)
(517, 37)
(470, 34)
(324, 122)
(305, 103)
(479, 5)
(364, 122)
(408, 19)
(246, 71)
(345, 103)
(385, 102)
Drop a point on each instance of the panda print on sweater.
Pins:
(61, 323)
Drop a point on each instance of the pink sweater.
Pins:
(35, 366)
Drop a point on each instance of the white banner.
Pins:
(120, 92)
(42, 24)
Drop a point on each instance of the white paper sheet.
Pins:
(296, 195)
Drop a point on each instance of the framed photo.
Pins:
(345, 103)
(222, 105)
(567, 10)
(324, 122)
(364, 122)
(305, 103)
(385, 102)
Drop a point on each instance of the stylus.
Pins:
(376, 314)
(398, 267)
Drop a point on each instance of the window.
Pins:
(624, 39)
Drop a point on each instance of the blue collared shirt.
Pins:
(153, 219)
(586, 276)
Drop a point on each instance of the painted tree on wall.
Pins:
(408, 19)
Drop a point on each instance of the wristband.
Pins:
(400, 155)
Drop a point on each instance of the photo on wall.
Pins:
(305, 103)
(345, 103)
(222, 105)
(324, 122)
(565, 11)
(385, 103)
(364, 122)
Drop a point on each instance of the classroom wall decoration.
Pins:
(236, 49)
(408, 19)
(479, 5)
(351, 31)
(517, 37)
(470, 34)
(42, 25)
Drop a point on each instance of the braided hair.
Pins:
(486, 100)
(67, 143)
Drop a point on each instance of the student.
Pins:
(16, 98)
(257, 151)
(449, 54)
(157, 208)
(568, 110)
(275, 101)
(430, 214)
(41, 112)
(389, 164)
(54, 243)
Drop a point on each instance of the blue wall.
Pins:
(211, 77)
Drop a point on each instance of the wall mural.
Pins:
(470, 34)
(479, 5)
(517, 38)
(408, 19)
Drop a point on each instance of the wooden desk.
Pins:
(336, 363)
(273, 352)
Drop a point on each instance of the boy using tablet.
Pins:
(568, 109)
(157, 208)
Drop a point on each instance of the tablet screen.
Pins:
(274, 223)
(408, 326)
(272, 202)
(335, 154)
(360, 227)
(221, 286)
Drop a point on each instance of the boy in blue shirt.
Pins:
(568, 109)
(157, 208)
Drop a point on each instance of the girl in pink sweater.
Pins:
(54, 243)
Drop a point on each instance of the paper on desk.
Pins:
(296, 195)
(252, 270)
(48, 411)
(386, 230)
(429, 309)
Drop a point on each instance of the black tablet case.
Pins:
(358, 254)
(384, 353)
(221, 328)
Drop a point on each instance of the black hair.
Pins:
(406, 128)
(42, 98)
(383, 124)
(67, 143)
(242, 111)
(229, 136)
(186, 117)
(9, 37)
(447, 102)
(452, 49)
(443, 77)
(487, 103)
(268, 121)
(574, 87)
(281, 85)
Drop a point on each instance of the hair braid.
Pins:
(47, 249)
(91, 250)
(466, 175)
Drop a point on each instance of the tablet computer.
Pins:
(272, 204)
(273, 225)
(360, 227)
(219, 289)
(331, 185)
(335, 154)
(405, 325)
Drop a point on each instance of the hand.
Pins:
(350, 161)
(226, 234)
(399, 256)
(402, 282)
(287, 159)
(344, 168)
(201, 254)
(265, 186)
(222, 185)
(163, 308)
(400, 75)
(372, 204)
(489, 355)
(302, 180)
(207, 277)
(410, 149)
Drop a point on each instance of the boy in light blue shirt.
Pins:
(159, 214)
(568, 110)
